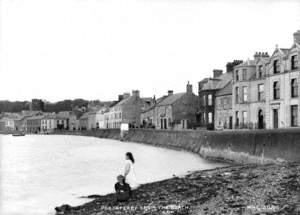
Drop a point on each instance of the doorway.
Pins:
(230, 122)
(275, 118)
(261, 120)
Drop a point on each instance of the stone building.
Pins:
(33, 124)
(74, 120)
(62, 120)
(243, 74)
(149, 116)
(100, 117)
(128, 110)
(48, 123)
(265, 90)
(177, 111)
(208, 88)
(8, 124)
(83, 121)
(223, 108)
(282, 91)
(249, 92)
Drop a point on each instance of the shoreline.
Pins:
(270, 188)
(240, 189)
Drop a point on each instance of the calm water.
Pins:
(41, 172)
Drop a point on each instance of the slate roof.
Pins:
(246, 63)
(35, 117)
(285, 51)
(211, 84)
(63, 115)
(227, 90)
(155, 104)
(171, 99)
(217, 83)
(225, 79)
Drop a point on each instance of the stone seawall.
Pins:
(259, 146)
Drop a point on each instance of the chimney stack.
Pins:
(170, 92)
(120, 97)
(231, 65)
(259, 55)
(136, 93)
(189, 88)
(126, 95)
(217, 72)
(297, 37)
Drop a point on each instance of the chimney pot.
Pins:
(217, 72)
(170, 92)
(136, 93)
(189, 88)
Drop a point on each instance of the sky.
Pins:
(98, 49)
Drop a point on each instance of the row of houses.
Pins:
(176, 111)
(36, 121)
(255, 94)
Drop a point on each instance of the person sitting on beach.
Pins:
(123, 189)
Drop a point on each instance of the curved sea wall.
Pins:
(265, 146)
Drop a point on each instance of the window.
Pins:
(210, 117)
(294, 88)
(260, 92)
(294, 62)
(245, 96)
(204, 100)
(276, 90)
(225, 102)
(260, 71)
(209, 99)
(276, 66)
(294, 115)
(237, 75)
(236, 95)
(245, 116)
(244, 74)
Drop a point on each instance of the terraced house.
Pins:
(174, 111)
(33, 124)
(282, 94)
(48, 123)
(223, 118)
(265, 90)
(249, 92)
(128, 110)
(208, 87)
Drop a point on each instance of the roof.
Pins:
(85, 115)
(50, 116)
(171, 99)
(35, 117)
(227, 90)
(217, 83)
(225, 79)
(285, 51)
(160, 99)
(246, 63)
(63, 115)
(211, 84)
